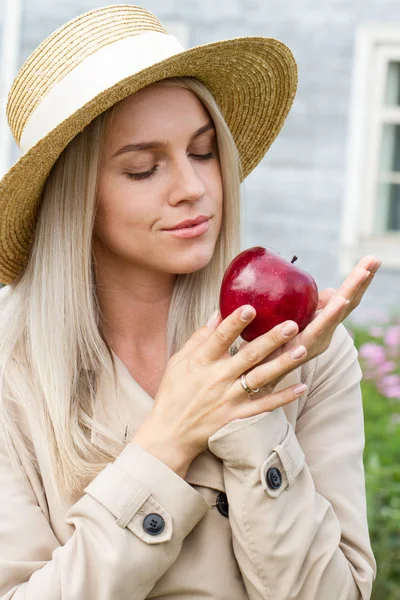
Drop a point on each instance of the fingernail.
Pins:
(247, 313)
(212, 319)
(289, 329)
(298, 352)
(376, 265)
(299, 389)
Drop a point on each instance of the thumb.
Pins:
(214, 320)
(200, 335)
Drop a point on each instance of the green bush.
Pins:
(379, 352)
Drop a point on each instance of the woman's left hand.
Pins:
(333, 307)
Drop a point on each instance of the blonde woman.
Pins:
(136, 462)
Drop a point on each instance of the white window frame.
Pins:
(9, 60)
(376, 45)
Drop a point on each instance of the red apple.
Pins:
(275, 287)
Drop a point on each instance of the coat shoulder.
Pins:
(337, 363)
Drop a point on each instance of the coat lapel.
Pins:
(123, 407)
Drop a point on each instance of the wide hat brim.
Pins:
(253, 80)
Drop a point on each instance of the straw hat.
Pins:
(100, 58)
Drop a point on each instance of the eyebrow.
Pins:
(156, 144)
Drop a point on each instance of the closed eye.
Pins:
(204, 156)
(143, 175)
(147, 174)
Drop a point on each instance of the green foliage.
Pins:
(382, 468)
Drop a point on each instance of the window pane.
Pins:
(393, 84)
(388, 208)
(390, 152)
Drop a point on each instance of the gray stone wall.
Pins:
(292, 201)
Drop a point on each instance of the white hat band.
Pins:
(93, 75)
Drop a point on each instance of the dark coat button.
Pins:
(222, 504)
(274, 478)
(153, 524)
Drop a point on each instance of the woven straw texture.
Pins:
(253, 80)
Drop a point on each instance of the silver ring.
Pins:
(246, 388)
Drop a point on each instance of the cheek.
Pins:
(216, 187)
(118, 213)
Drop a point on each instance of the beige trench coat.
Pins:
(294, 482)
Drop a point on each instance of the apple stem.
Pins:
(294, 259)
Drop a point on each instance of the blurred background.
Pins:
(328, 190)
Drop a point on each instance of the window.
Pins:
(371, 211)
(387, 212)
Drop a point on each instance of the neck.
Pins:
(134, 310)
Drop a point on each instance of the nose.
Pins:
(186, 183)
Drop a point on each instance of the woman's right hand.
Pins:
(201, 391)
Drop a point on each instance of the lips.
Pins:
(189, 223)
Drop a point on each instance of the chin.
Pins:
(193, 261)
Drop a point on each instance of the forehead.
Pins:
(160, 105)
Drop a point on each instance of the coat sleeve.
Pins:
(297, 503)
(110, 556)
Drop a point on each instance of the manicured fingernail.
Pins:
(298, 352)
(289, 329)
(213, 318)
(247, 313)
(376, 265)
(299, 389)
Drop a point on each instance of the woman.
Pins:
(136, 461)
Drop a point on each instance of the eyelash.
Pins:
(147, 174)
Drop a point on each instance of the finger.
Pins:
(367, 262)
(359, 295)
(256, 350)
(270, 402)
(214, 321)
(200, 335)
(324, 296)
(274, 370)
(358, 276)
(225, 334)
(326, 320)
(356, 293)
(352, 283)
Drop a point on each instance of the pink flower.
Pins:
(390, 380)
(392, 392)
(372, 353)
(385, 367)
(392, 337)
(376, 332)
(389, 385)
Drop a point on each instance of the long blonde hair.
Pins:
(52, 350)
